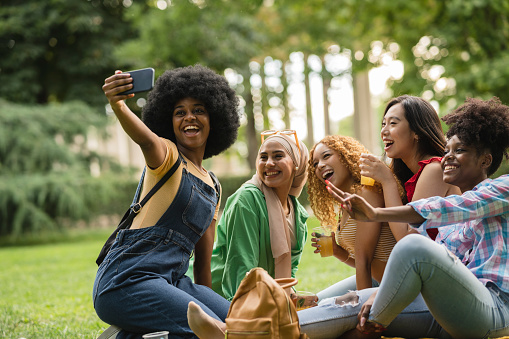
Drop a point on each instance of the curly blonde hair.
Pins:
(322, 203)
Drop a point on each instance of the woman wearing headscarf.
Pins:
(263, 224)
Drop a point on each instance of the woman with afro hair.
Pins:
(458, 288)
(363, 245)
(141, 286)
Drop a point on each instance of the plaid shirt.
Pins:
(478, 228)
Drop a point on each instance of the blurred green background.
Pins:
(308, 65)
(314, 66)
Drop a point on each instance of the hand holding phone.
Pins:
(143, 80)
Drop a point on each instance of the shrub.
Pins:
(45, 175)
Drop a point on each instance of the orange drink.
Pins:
(323, 233)
(367, 181)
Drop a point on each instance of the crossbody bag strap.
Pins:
(138, 189)
(136, 207)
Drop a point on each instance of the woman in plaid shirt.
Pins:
(463, 278)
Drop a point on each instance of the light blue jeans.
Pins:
(426, 292)
(342, 287)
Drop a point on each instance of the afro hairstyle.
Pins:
(484, 125)
(200, 83)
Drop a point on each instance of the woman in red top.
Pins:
(414, 140)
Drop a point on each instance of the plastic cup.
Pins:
(156, 335)
(367, 181)
(304, 299)
(325, 240)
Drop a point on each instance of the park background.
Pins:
(67, 172)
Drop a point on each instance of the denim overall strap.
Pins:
(192, 209)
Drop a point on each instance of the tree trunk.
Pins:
(264, 100)
(251, 139)
(364, 122)
(284, 97)
(309, 114)
(326, 78)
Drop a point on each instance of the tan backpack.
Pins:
(262, 309)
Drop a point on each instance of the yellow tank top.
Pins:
(346, 239)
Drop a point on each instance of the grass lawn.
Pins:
(46, 289)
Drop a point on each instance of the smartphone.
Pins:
(143, 80)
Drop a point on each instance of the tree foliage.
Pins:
(58, 50)
(466, 40)
(45, 175)
(216, 33)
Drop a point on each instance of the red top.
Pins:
(410, 189)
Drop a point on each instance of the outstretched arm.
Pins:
(360, 209)
(153, 148)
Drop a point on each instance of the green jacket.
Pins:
(243, 239)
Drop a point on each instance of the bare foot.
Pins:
(202, 324)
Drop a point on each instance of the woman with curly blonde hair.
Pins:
(335, 159)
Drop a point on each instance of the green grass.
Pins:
(46, 289)
(316, 273)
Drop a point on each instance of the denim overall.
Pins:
(141, 286)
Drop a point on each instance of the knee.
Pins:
(350, 298)
(413, 245)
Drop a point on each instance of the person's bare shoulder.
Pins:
(430, 182)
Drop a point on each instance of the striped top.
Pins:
(346, 239)
(480, 236)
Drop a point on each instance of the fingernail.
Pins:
(327, 182)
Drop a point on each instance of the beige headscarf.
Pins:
(279, 233)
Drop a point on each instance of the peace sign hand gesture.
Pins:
(356, 206)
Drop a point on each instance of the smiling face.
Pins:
(399, 139)
(274, 166)
(463, 166)
(328, 166)
(191, 125)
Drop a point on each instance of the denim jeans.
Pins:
(141, 286)
(426, 292)
(460, 303)
(342, 287)
(331, 320)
